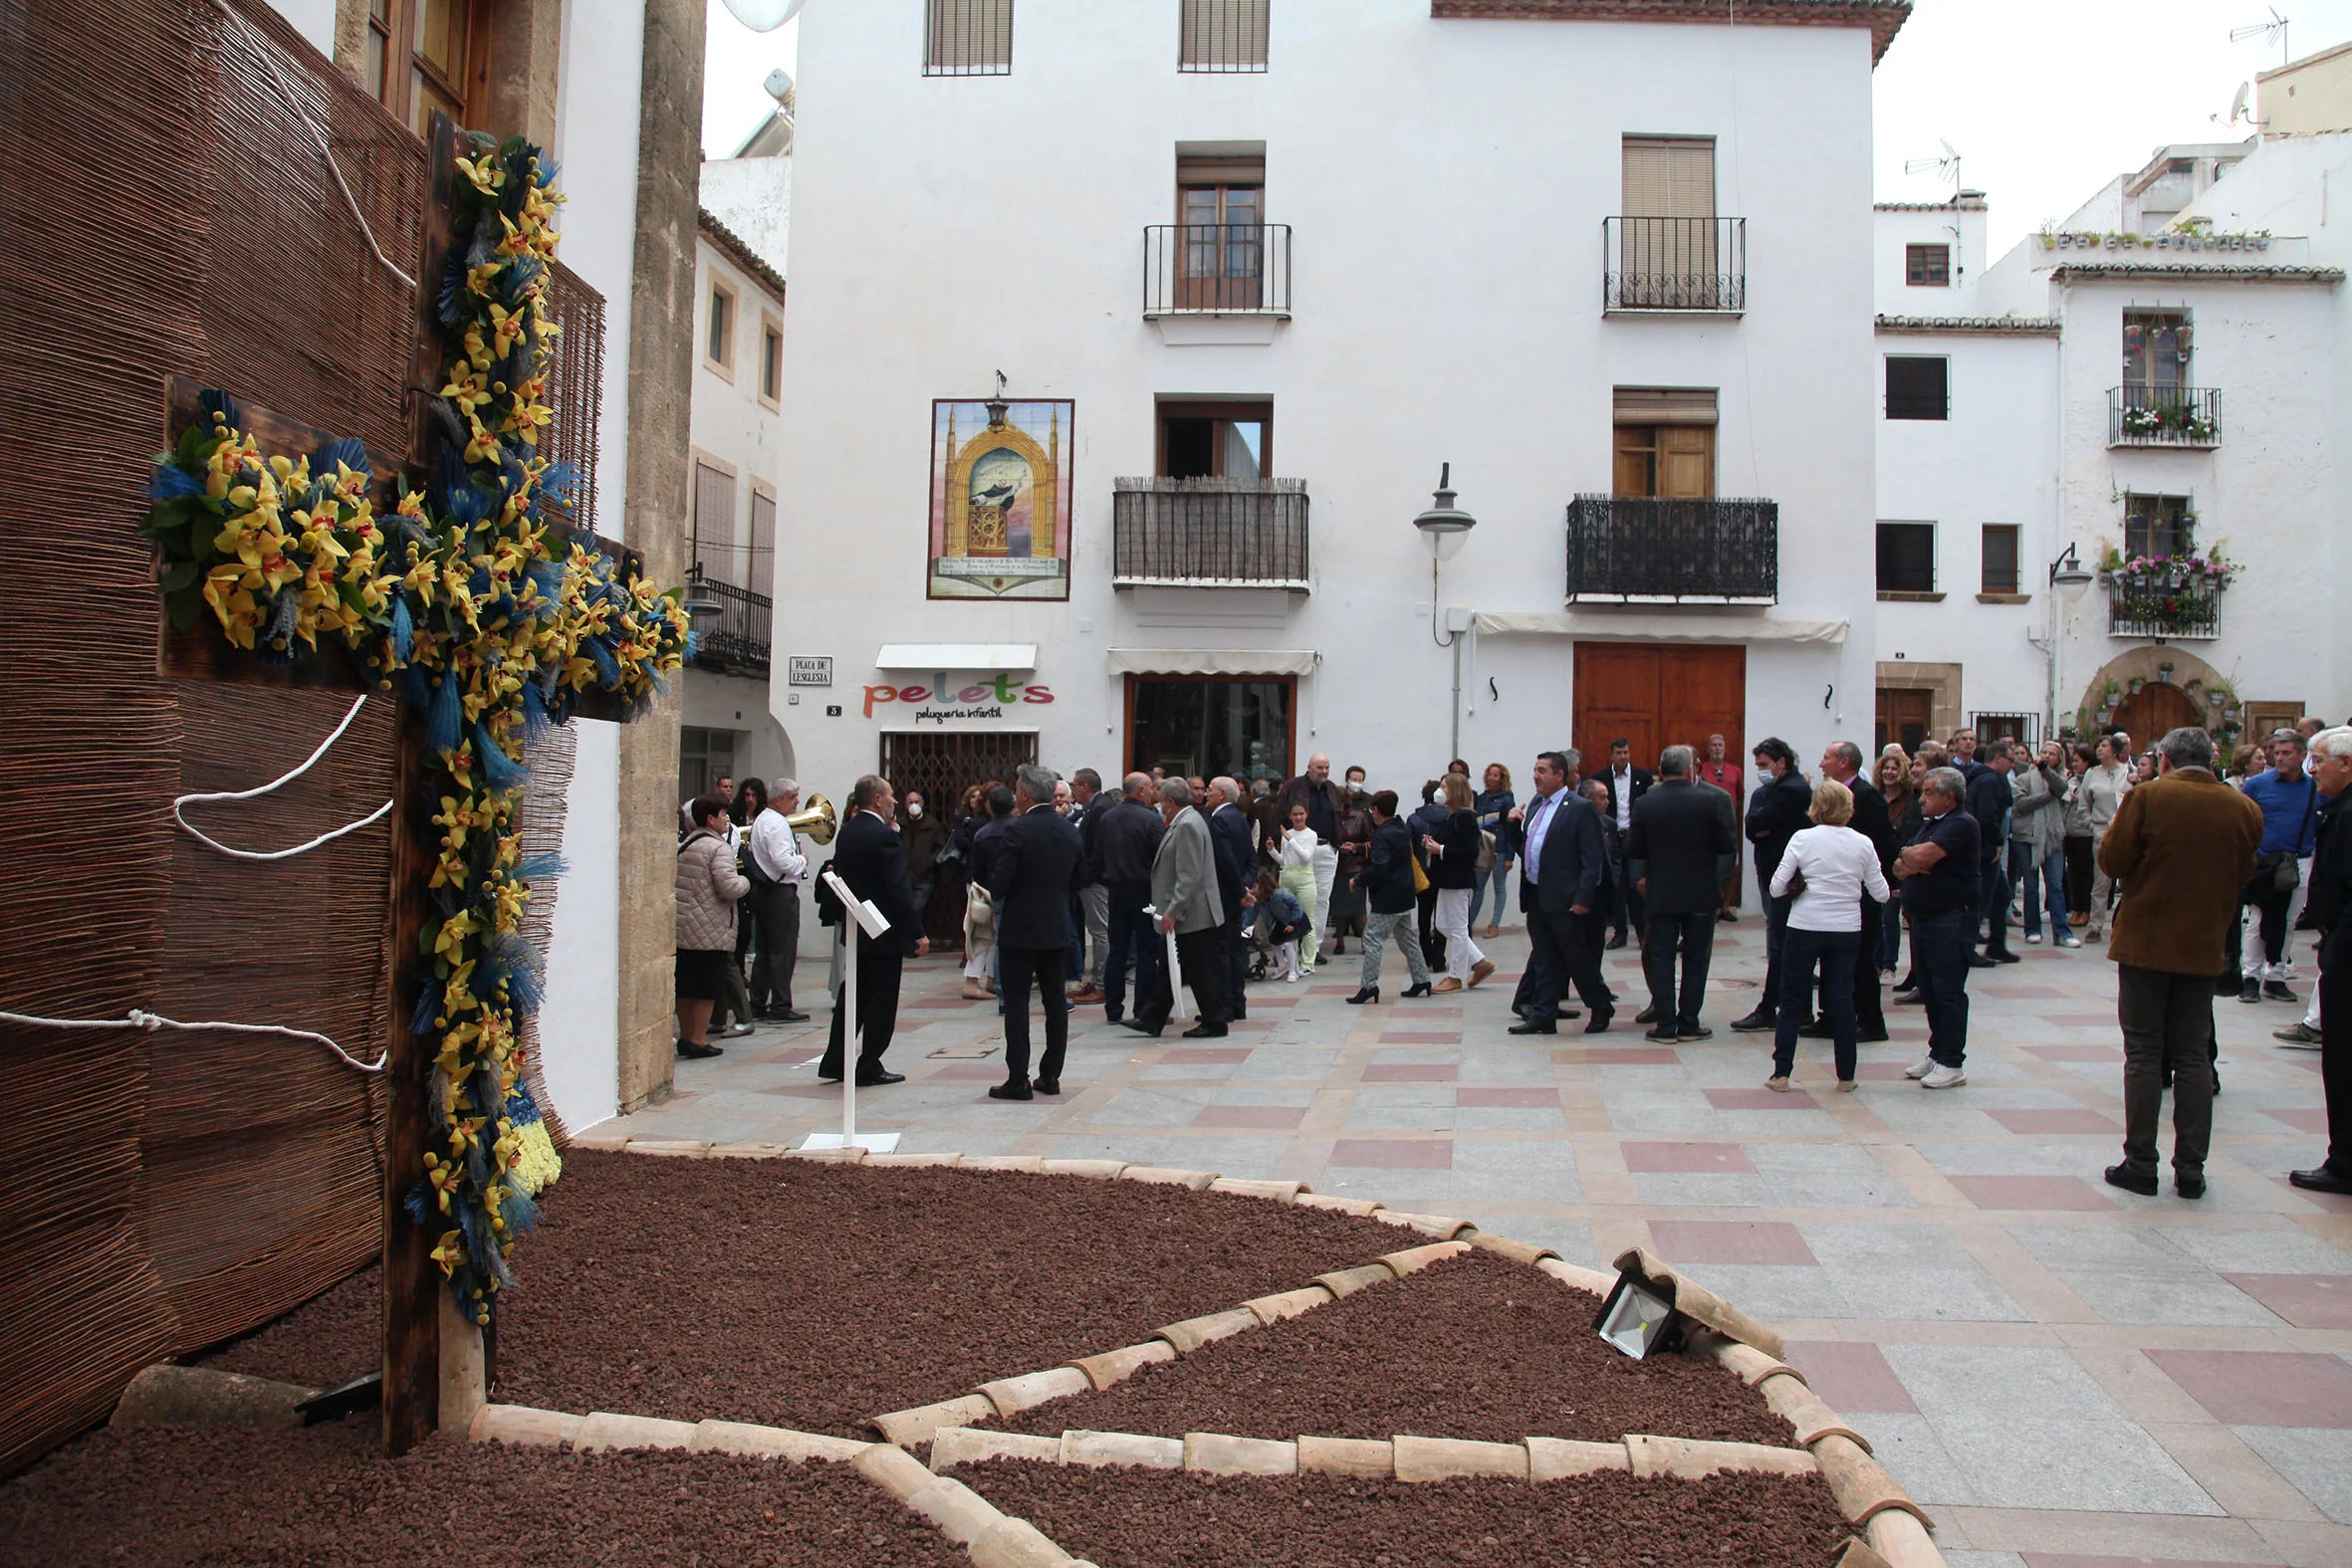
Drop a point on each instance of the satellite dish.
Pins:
(778, 84)
(763, 16)
(2237, 104)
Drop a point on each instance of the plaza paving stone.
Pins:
(2066, 1375)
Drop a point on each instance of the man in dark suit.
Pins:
(1035, 865)
(1842, 762)
(869, 857)
(1673, 859)
(1627, 785)
(1781, 808)
(1561, 860)
(1125, 844)
(1237, 885)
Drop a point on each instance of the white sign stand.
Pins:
(874, 923)
(1179, 998)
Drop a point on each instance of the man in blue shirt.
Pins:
(2290, 827)
(1941, 872)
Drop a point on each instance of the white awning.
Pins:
(1006, 656)
(1660, 629)
(1212, 661)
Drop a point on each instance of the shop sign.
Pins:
(941, 700)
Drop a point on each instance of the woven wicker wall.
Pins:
(167, 211)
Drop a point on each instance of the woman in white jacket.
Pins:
(2103, 788)
(1297, 876)
(1829, 867)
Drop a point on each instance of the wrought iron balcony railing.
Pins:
(1648, 549)
(1217, 268)
(2164, 416)
(1674, 264)
(1209, 533)
(2173, 603)
(739, 639)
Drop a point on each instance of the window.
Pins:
(1220, 205)
(1216, 440)
(761, 574)
(1907, 557)
(2013, 727)
(1927, 265)
(1999, 559)
(1917, 388)
(424, 55)
(2156, 349)
(1669, 177)
(1664, 442)
(2158, 525)
(718, 339)
(968, 37)
(704, 758)
(714, 522)
(771, 360)
(1223, 35)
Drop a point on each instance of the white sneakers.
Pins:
(2034, 939)
(1919, 1068)
(2070, 942)
(1944, 1077)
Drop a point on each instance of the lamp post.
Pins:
(1445, 526)
(2068, 576)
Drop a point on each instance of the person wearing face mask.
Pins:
(925, 836)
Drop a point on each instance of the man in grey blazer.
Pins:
(1184, 892)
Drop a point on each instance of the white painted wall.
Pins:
(1994, 461)
(731, 424)
(1896, 227)
(1446, 181)
(596, 143)
(313, 18)
(579, 1043)
(754, 198)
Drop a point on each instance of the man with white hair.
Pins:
(780, 869)
(1326, 807)
(2180, 846)
(1184, 895)
(2330, 905)
(1940, 870)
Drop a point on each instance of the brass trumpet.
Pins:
(815, 820)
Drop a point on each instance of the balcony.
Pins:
(1217, 268)
(2166, 603)
(1209, 533)
(1646, 549)
(1674, 266)
(738, 640)
(2179, 416)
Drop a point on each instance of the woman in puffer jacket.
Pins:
(709, 888)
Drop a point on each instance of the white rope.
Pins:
(150, 1021)
(247, 795)
(270, 62)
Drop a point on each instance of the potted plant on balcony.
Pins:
(2142, 422)
(2164, 672)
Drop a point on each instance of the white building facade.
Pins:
(1251, 274)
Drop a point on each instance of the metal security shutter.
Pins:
(968, 37)
(762, 571)
(714, 522)
(1223, 35)
(1669, 177)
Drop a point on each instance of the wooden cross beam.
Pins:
(435, 1357)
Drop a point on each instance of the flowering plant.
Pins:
(459, 599)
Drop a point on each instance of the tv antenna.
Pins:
(1947, 167)
(2263, 29)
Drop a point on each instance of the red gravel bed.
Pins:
(1132, 1518)
(809, 1295)
(227, 1498)
(332, 1338)
(1477, 1346)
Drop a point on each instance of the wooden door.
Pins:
(1904, 715)
(2156, 708)
(1657, 695)
(1664, 460)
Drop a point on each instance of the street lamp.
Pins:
(703, 604)
(2070, 577)
(763, 16)
(1445, 526)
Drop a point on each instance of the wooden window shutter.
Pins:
(763, 562)
(1686, 461)
(714, 522)
(1669, 177)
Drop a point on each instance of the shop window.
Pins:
(1237, 726)
(1907, 557)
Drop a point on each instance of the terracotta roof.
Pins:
(731, 245)
(2223, 274)
(1968, 203)
(1884, 18)
(1996, 325)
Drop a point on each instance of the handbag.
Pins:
(1420, 877)
(2278, 874)
(1486, 849)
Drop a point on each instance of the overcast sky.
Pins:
(2044, 99)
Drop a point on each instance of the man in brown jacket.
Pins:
(2182, 846)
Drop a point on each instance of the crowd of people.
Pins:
(2198, 877)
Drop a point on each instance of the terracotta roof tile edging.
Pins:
(1884, 18)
